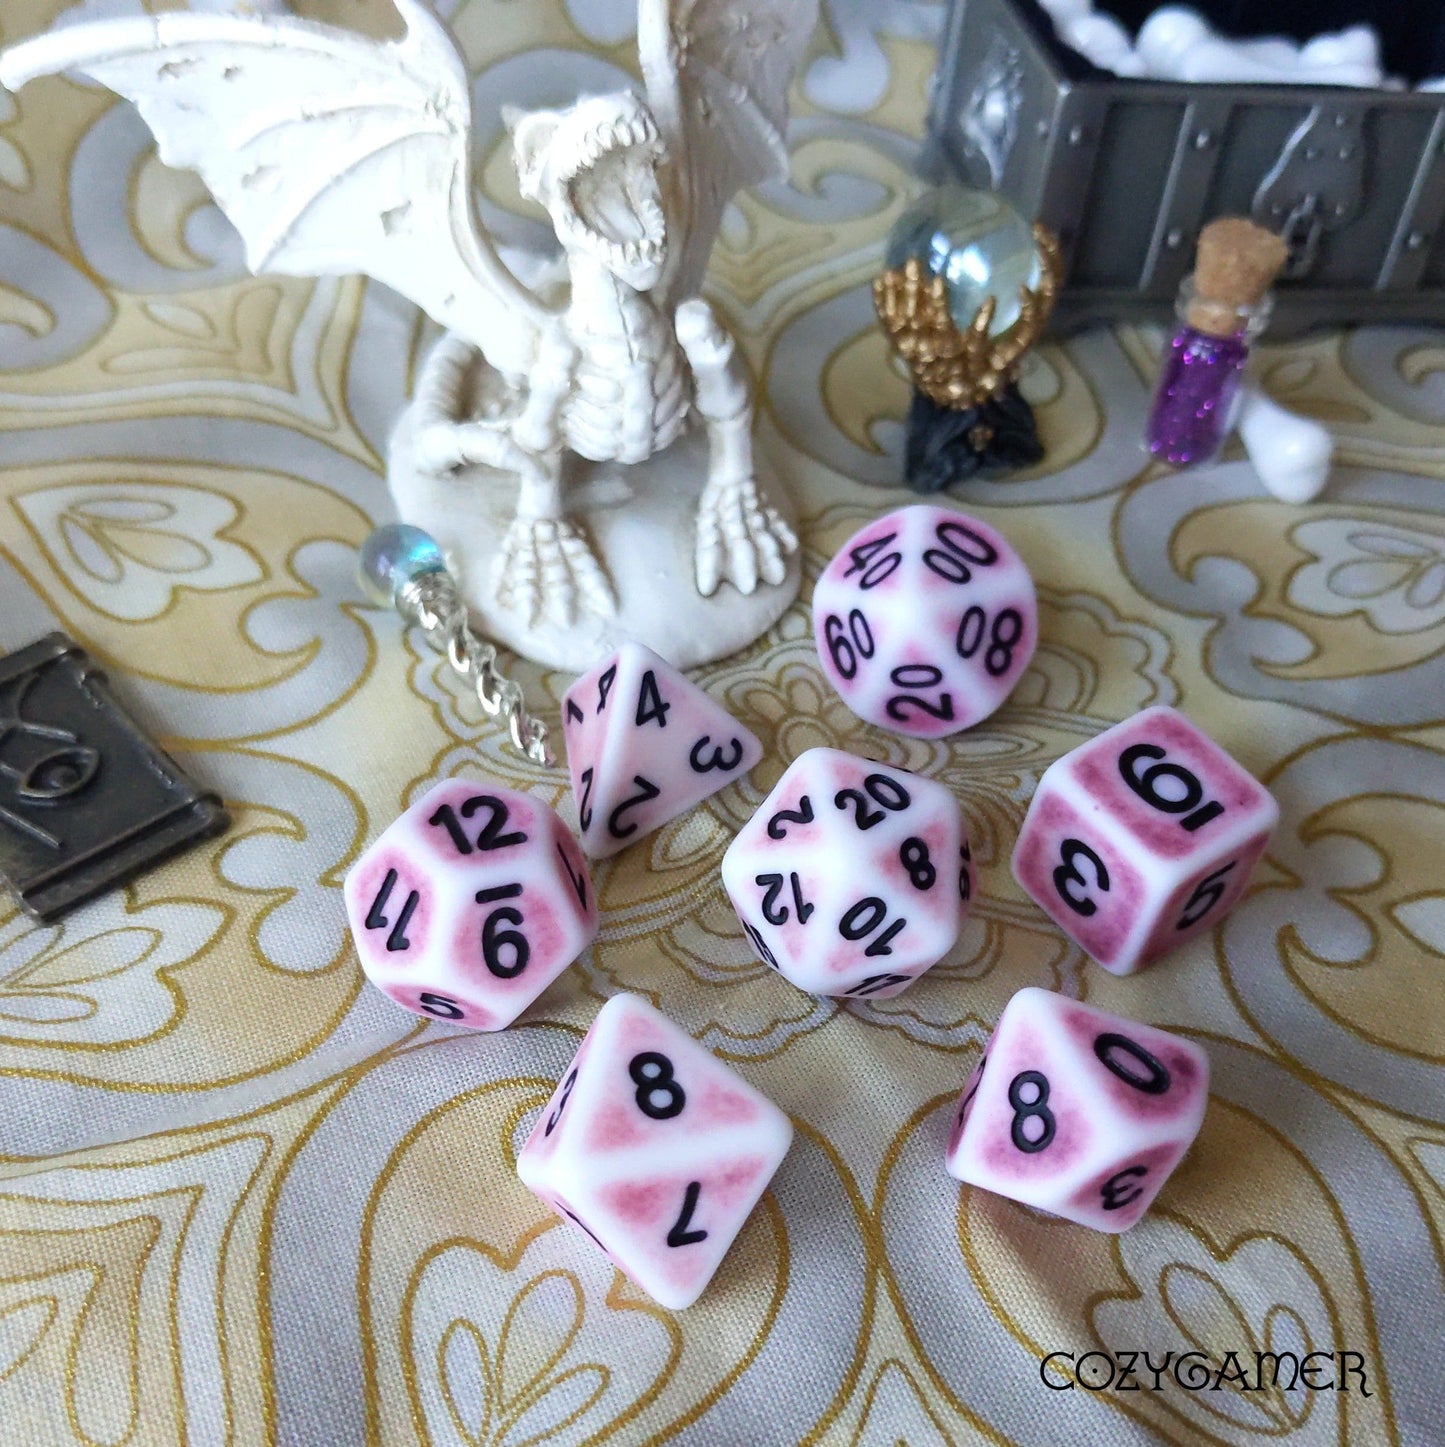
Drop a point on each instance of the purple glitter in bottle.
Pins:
(1198, 388)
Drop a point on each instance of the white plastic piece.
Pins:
(1218, 60)
(1063, 11)
(1291, 454)
(925, 620)
(1142, 838)
(1273, 50)
(853, 877)
(1356, 45)
(1100, 39)
(467, 906)
(645, 744)
(1167, 36)
(1177, 43)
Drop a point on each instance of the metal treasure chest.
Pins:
(1125, 172)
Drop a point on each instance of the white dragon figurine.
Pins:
(332, 152)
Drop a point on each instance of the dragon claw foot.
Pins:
(546, 572)
(741, 539)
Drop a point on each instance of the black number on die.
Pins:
(604, 685)
(578, 877)
(584, 809)
(679, 1235)
(1035, 1109)
(845, 647)
(1207, 893)
(562, 1099)
(491, 835)
(1068, 874)
(962, 551)
(1119, 1189)
(965, 882)
(775, 913)
(760, 945)
(865, 917)
(576, 1220)
(913, 856)
(497, 939)
(918, 675)
(1190, 801)
(440, 1006)
(874, 983)
(376, 916)
(972, 1091)
(646, 790)
(874, 568)
(803, 814)
(1151, 1077)
(1008, 628)
(652, 1073)
(650, 707)
(882, 790)
(719, 760)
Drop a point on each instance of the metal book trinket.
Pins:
(87, 801)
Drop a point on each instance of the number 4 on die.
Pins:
(644, 744)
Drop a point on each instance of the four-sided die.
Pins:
(1078, 1112)
(470, 904)
(853, 877)
(1141, 838)
(925, 620)
(644, 744)
(654, 1148)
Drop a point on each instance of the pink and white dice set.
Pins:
(851, 879)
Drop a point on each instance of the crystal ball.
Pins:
(977, 243)
(392, 556)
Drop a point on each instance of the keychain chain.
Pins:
(432, 601)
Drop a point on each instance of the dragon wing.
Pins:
(717, 75)
(328, 151)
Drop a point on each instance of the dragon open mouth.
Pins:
(613, 192)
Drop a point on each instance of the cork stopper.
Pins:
(1235, 265)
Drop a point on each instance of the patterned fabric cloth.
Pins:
(243, 1198)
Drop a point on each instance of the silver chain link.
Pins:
(432, 601)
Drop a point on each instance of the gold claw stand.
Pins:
(963, 368)
(964, 371)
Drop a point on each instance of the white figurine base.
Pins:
(641, 523)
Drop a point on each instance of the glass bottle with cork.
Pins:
(1222, 308)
